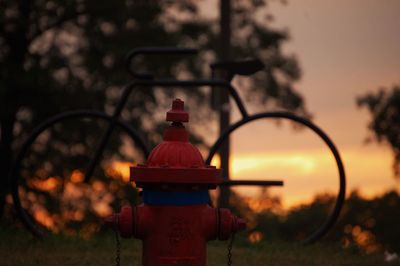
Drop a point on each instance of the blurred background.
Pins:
(335, 62)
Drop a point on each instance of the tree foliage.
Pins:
(370, 225)
(384, 108)
(63, 55)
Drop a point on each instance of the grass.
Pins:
(19, 248)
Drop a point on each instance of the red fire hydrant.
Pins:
(175, 220)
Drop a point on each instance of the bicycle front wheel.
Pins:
(47, 179)
(324, 227)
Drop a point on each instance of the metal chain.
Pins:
(118, 249)
(230, 245)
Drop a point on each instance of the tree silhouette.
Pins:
(62, 55)
(384, 107)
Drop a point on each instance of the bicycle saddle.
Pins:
(244, 68)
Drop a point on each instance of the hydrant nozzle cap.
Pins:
(111, 221)
(177, 113)
(240, 224)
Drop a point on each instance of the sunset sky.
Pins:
(345, 49)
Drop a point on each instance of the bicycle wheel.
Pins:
(338, 202)
(47, 179)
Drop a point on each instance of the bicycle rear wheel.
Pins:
(47, 178)
(325, 226)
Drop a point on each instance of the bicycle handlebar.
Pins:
(154, 51)
(181, 83)
(243, 68)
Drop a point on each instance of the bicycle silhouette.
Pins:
(148, 80)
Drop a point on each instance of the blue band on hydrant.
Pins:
(175, 198)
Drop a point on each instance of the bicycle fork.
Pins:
(106, 136)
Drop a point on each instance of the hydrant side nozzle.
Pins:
(122, 222)
(228, 224)
(126, 221)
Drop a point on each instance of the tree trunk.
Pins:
(224, 55)
(18, 44)
(7, 120)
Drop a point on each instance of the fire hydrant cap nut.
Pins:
(177, 113)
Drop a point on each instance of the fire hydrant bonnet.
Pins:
(175, 164)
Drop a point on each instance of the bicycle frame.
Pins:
(148, 80)
(174, 83)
